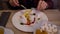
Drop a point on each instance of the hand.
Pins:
(42, 5)
(14, 3)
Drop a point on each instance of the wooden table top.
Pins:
(53, 16)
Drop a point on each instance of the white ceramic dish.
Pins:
(25, 28)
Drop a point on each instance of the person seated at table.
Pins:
(38, 4)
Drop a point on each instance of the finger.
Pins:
(44, 5)
(16, 2)
(39, 5)
(11, 3)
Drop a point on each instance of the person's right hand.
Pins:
(14, 3)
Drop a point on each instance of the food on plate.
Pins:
(33, 20)
(30, 17)
(33, 14)
(1, 31)
(38, 18)
(28, 21)
(22, 23)
(26, 14)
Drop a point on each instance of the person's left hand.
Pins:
(42, 5)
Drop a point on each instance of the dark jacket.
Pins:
(31, 4)
(34, 3)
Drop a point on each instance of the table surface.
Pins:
(53, 16)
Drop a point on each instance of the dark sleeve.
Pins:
(50, 4)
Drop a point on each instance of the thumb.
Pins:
(39, 5)
(17, 1)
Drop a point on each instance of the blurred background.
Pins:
(3, 4)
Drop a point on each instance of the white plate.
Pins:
(7, 31)
(16, 21)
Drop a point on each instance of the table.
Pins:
(53, 16)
